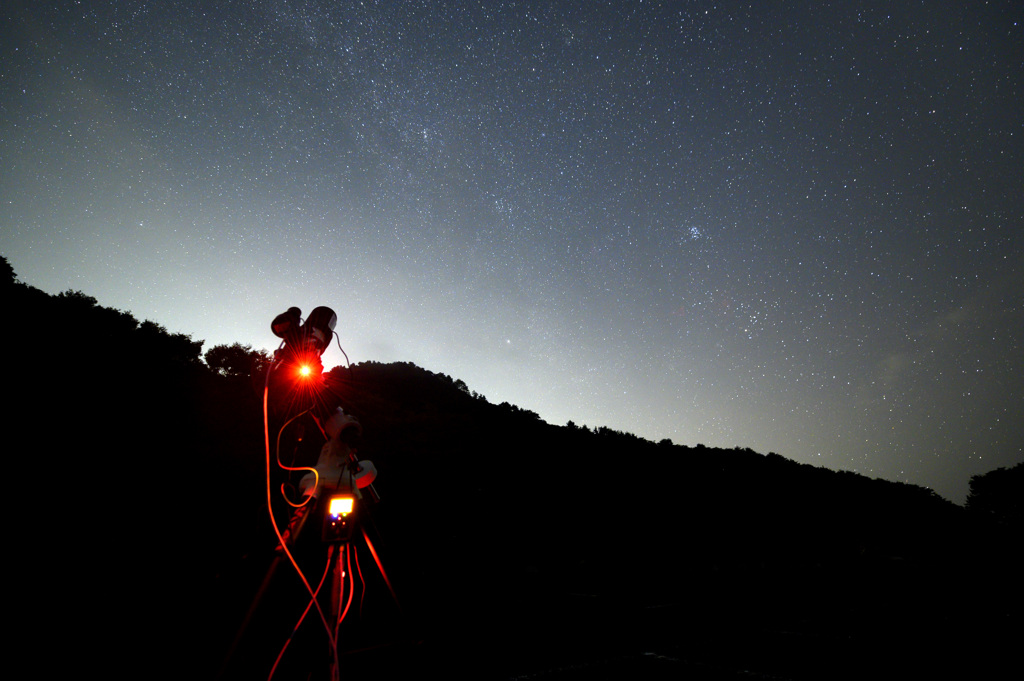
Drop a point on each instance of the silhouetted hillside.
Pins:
(521, 545)
(999, 496)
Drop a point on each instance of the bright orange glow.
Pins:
(305, 370)
(341, 505)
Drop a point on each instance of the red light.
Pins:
(308, 365)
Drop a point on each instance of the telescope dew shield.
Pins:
(319, 327)
(287, 324)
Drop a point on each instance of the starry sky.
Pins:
(792, 226)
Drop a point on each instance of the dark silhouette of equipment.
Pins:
(336, 491)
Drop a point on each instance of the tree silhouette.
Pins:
(237, 360)
(7, 276)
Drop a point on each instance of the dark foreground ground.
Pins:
(518, 610)
(889, 619)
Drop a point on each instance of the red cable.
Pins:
(351, 582)
(351, 590)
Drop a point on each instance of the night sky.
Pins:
(789, 226)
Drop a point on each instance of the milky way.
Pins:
(791, 226)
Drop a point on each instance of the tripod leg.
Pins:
(376, 558)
